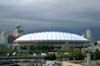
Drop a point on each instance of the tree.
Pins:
(76, 54)
(97, 54)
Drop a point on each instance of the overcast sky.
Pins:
(51, 15)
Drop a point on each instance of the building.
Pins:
(88, 34)
(10, 35)
(98, 42)
(53, 38)
(3, 38)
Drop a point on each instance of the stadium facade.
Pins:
(51, 38)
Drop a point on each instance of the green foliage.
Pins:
(73, 53)
(97, 54)
(41, 48)
(4, 51)
(63, 50)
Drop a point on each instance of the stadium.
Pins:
(51, 38)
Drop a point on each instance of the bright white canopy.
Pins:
(51, 36)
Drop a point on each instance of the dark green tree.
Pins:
(97, 54)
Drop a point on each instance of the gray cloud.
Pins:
(49, 14)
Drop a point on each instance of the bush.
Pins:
(4, 51)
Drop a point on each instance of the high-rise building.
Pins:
(88, 34)
(11, 34)
(18, 30)
(14, 33)
(3, 37)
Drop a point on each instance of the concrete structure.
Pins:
(55, 39)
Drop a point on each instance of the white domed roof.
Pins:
(50, 36)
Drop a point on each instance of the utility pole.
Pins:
(88, 59)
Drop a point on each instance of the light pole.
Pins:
(88, 59)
